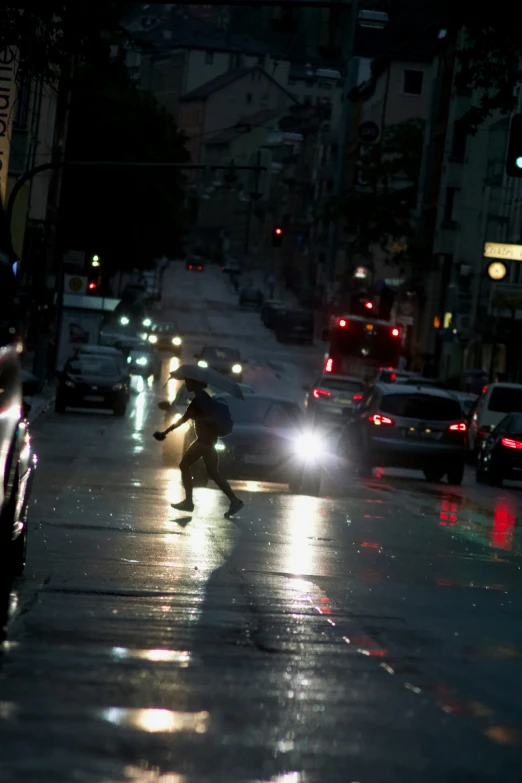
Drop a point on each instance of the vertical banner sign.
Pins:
(8, 66)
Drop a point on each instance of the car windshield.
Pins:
(221, 354)
(265, 412)
(340, 385)
(93, 365)
(168, 328)
(421, 406)
(505, 400)
(516, 423)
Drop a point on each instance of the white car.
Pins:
(497, 400)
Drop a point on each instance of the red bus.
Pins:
(361, 346)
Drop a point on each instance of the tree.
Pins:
(132, 214)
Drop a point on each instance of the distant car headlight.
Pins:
(220, 446)
(146, 322)
(309, 446)
(117, 387)
(176, 341)
(202, 363)
(142, 361)
(236, 369)
(153, 338)
(70, 384)
(129, 360)
(124, 321)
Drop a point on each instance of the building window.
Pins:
(412, 82)
(249, 97)
(209, 58)
(448, 206)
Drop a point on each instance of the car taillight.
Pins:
(460, 427)
(378, 419)
(190, 266)
(509, 443)
(395, 332)
(343, 323)
(357, 397)
(318, 393)
(200, 268)
(328, 367)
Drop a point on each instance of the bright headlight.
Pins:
(202, 363)
(153, 338)
(129, 360)
(176, 341)
(124, 321)
(236, 369)
(220, 446)
(146, 322)
(309, 446)
(142, 361)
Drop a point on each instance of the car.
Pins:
(269, 442)
(433, 383)
(496, 401)
(195, 264)
(468, 402)
(92, 381)
(401, 426)
(224, 360)
(500, 452)
(165, 336)
(295, 325)
(394, 375)
(270, 312)
(251, 297)
(143, 360)
(332, 396)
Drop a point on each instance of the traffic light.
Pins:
(92, 287)
(514, 153)
(277, 237)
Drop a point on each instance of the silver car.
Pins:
(333, 395)
(401, 426)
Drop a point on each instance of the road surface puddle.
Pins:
(157, 721)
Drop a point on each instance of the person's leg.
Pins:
(211, 460)
(192, 454)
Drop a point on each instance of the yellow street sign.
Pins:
(503, 251)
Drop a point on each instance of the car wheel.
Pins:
(433, 474)
(456, 474)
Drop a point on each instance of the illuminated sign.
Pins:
(505, 252)
(497, 270)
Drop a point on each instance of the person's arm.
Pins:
(178, 423)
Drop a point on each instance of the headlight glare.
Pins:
(202, 363)
(309, 446)
(124, 321)
(236, 369)
(146, 322)
(176, 341)
(220, 446)
(153, 338)
(142, 361)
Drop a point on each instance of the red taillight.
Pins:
(343, 323)
(328, 367)
(318, 393)
(368, 305)
(378, 419)
(460, 427)
(395, 332)
(357, 397)
(509, 443)
(393, 377)
(190, 266)
(484, 389)
(200, 268)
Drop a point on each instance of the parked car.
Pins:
(225, 360)
(251, 297)
(295, 325)
(143, 360)
(270, 312)
(497, 400)
(500, 452)
(394, 375)
(407, 427)
(165, 336)
(331, 396)
(92, 381)
(195, 264)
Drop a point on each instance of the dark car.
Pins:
(269, 442)
(251, 297)
(270, 312)
(407, 427)
(195, 264)
(144, 360)
(500, 453)
(92, 381)
(225, 360)
(165, 336)
(332, 395)
(295, 326)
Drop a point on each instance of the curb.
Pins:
(40, 407)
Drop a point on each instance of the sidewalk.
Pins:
(41, 402)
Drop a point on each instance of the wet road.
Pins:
(372, 634)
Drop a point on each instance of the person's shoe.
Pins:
(185, 505)
(235, 506)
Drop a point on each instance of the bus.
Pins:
(360, 346)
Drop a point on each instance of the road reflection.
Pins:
(503, 524)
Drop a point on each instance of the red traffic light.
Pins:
(395, 332)
(92, 286)
(277, 236)
(279, 231)
(368, 305)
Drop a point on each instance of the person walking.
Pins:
(202, 410)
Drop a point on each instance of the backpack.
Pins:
(221, 418)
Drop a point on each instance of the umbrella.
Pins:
(209, 377)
